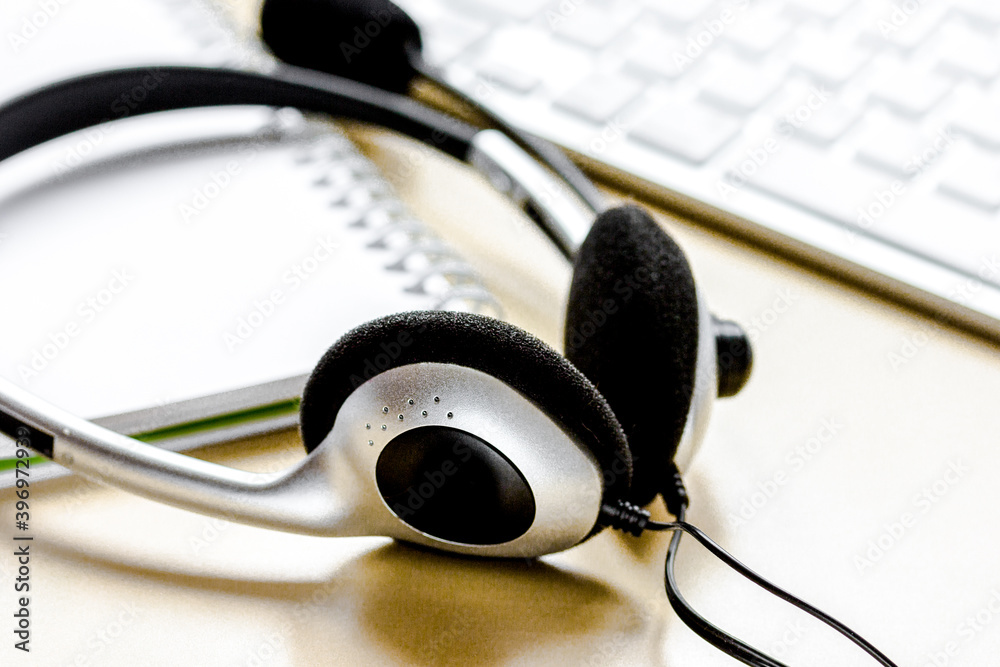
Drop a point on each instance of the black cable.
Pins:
(549, 154)
(715, 636)
(634, 520)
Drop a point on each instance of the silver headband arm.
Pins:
(560, 212)
(300, 499)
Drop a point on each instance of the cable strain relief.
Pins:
(674, 494)
(624, 516)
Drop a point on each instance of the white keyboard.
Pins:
(861, 136)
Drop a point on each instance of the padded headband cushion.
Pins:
(632, 328)
(370, 41)
(499, 349)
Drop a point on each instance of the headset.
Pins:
(450, 430)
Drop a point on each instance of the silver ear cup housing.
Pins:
(705, 389)
(564, 478)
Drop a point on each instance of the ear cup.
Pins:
(632, 328)
(499, 349)
(365, 40)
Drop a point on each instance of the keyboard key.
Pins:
(911, 92)
(808, 177)
(979, 119)
(828, 60)
(888, 23)
(657, 55)
(679, 13)
(739, 87)
(967, 238)
(837, 163)
(536, 50)
(823, 125)
(973, 176)
(757, 34)
(594, 27)
(828, 10)
(897, 147)
(450, 35)
(689, 130)
(520, 10)
(600, 96)
(513, 78)
(980, 11)
(965, 52)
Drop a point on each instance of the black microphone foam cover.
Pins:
(370, 41)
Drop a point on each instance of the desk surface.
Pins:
(856, 469)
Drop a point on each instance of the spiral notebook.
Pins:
(176, 276)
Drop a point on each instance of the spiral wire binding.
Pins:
(351, 181)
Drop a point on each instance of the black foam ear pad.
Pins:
(632, 328)
(502, 350)
(365, 40)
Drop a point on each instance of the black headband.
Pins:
(89, 100)
(76, 104)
